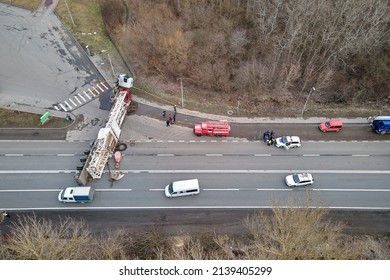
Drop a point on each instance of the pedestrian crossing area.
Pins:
(83, 97)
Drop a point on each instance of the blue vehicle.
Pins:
(381, 124)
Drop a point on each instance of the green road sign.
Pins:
(45, 117)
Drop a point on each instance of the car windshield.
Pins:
(296, 178)
(283, 140)
(327, 124)
(170, 188)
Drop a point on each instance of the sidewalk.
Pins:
(258, 120)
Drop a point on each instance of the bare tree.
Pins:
(33, 238)
(297, 232)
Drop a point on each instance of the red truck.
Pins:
(215, 128)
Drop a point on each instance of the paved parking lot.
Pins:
(41, 64)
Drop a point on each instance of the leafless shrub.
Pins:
(297, 233)
(150, 245)
(34, 238)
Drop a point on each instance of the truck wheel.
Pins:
(383, 132)
(198, 134)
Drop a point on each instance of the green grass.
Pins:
(15, 119)
(28, 4)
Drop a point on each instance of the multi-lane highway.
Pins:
(232, 174)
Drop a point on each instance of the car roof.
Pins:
(305, 176)
(295, 139)
(335, 122)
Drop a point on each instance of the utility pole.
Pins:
(109, 59)
(307, 99)
(182, 91)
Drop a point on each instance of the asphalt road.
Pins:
(233, 175)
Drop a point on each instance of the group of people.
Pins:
(171, 118)
(269, 137)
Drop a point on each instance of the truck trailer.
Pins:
(76, 194)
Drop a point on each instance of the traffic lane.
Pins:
(36, 181)
(253, 181)
(284, 162)
(223, 147)
(220, 181)
(306, 131)
(228, 199)
(61, 162)
(43, 147)
(248, 190)
(227, 147)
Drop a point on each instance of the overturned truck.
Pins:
(107, 140)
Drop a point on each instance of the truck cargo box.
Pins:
(76, 194)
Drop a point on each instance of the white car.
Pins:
(288, 142)
(297, 180)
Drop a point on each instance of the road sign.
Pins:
(45, 117)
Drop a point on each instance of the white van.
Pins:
(182, 188)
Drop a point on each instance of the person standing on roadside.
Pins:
(174, 109)
(170, 118)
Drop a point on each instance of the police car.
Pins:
(288, 142)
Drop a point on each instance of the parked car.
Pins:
(288, 142)
(331, 125)
(298, 180)
(381, 124)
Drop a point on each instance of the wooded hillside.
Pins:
(263, 49)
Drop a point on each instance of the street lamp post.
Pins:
(182, 92)
(109, 59)
(307, 99)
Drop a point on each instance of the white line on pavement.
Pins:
(100, 88)
(67, 104)
(89, 97)
(94, 95)
(72, 102)
(78, 100)
(62, 106)
(104, 85)
(81, 97)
